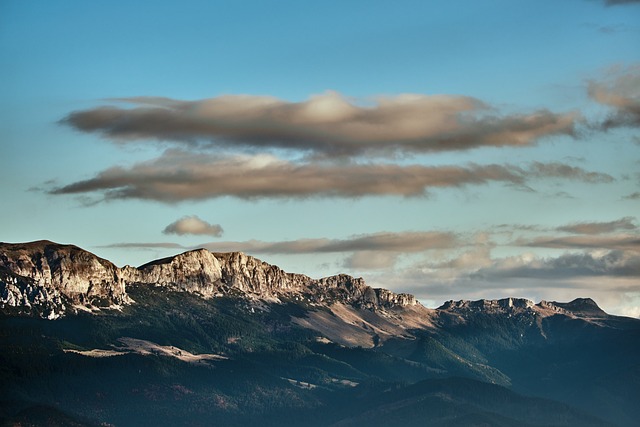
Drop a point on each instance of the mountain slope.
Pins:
(203, 338)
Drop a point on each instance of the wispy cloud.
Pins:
(178, 176)
(326, 125)
(627, 242)
(562, 170)
(619, 2)
(626, 223)
(620, 90)
(368, 251)
(193, 225)
(145, 245)
(370, 260)
(399, 242)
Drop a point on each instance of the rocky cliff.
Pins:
(43, 274)
(235, 273)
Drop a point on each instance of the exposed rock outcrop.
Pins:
(67, 272)
(577, 307)
(196, 271)
(76, 274)
(20, 295)
(249, 274)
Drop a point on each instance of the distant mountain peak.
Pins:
(488, 305)
(584, 308)
(580, 306)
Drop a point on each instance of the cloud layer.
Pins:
(398, 242)
(620, 90)
(626, 223)
(619, 2)
(565, 266)
(611, 277)
(383, 242)
(178, 176)
(626, 242)
(193, 225)
(327, 125)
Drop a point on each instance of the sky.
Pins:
(454, 150)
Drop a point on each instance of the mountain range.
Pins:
(206, 338)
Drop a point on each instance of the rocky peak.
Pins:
(80, 276)
(583, 307)
(389, 299)
(197, 271)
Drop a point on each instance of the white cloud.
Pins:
(193, 225)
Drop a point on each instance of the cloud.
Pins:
(620, 90)
(562, 170)
(370, 260)
(611, 263)
(193, 225)
(626, 223)
(632, 196)
(327, 125)
(396, 242)
(607, 29)
(366, 251)
(177, 176)
(627, 242)
(619, 2)
(147, 245)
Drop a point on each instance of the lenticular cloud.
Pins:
(326, 125)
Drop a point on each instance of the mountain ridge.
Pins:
(82, 279)
(57, 269)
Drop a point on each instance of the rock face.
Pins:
(234, 273)
(45, 274)
(585, 307)
(21, 295)
(354, 291)
(250, 275)
(195, 271)
(64, 271)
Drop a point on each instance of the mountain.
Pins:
(205, 338)
(87, 281)
(51, 278)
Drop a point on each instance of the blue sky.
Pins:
(457, 149)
